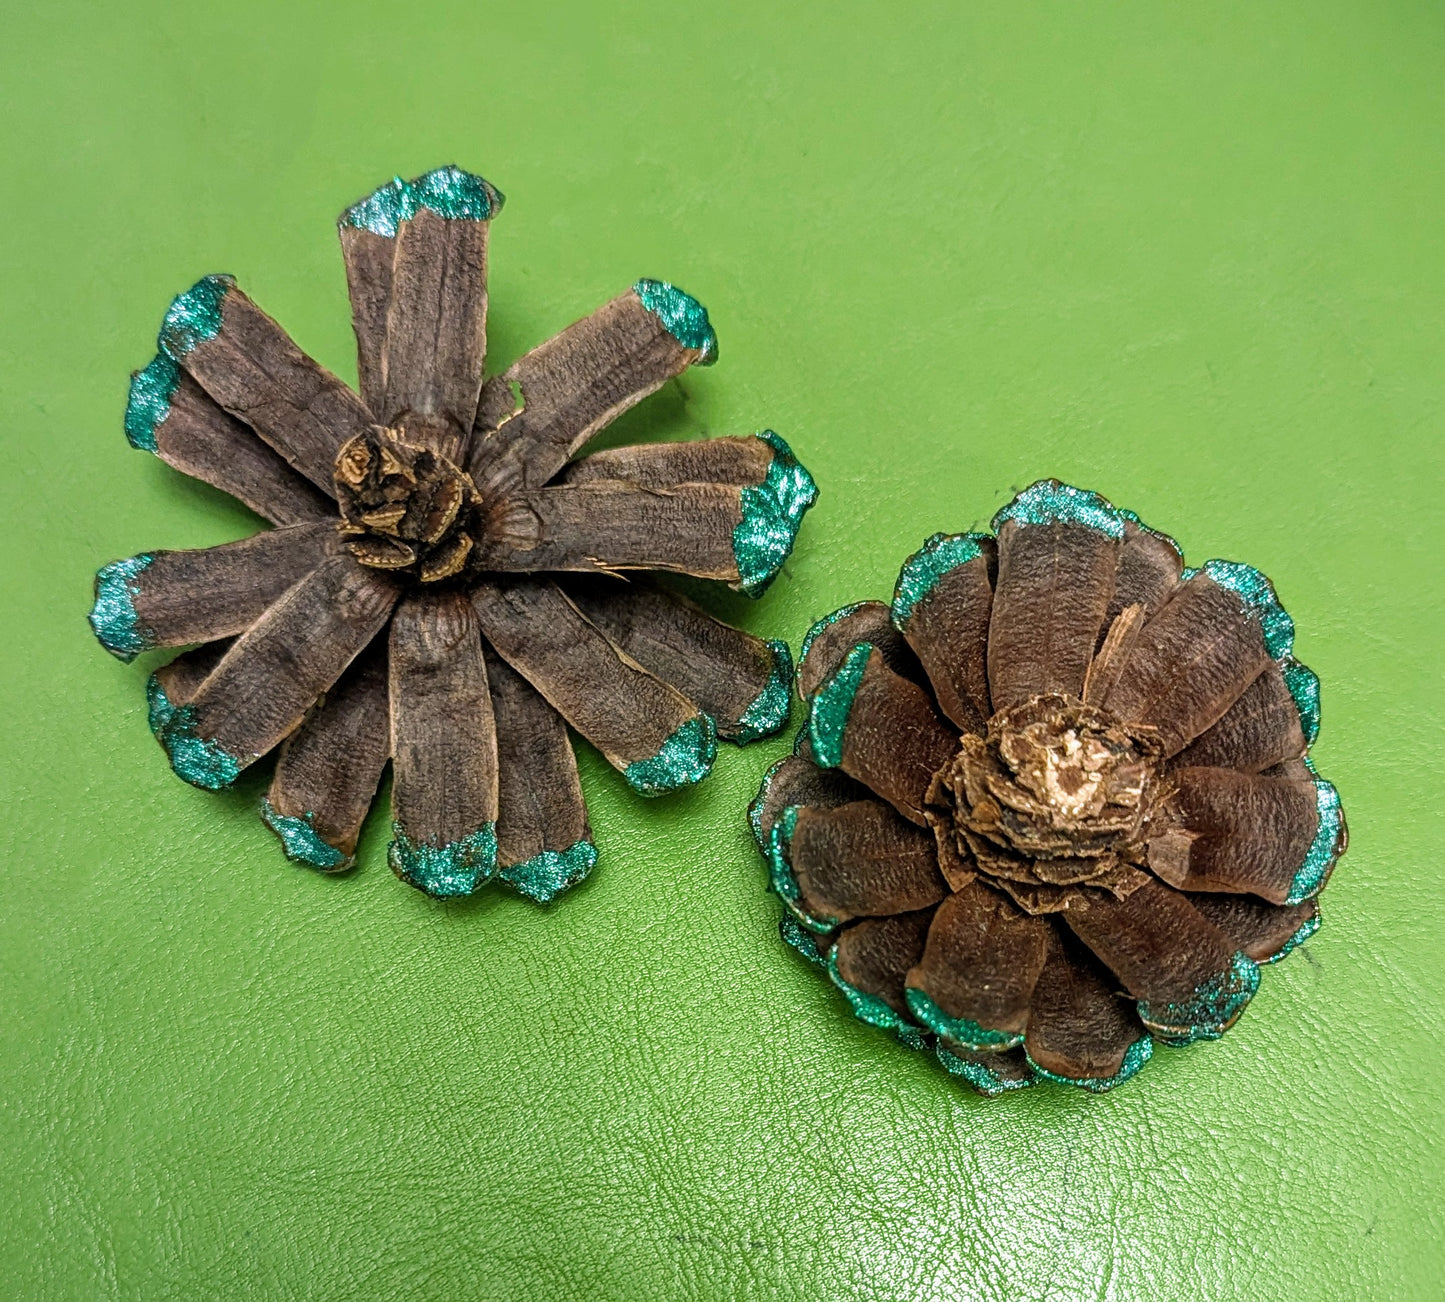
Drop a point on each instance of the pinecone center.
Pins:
(404, 508)
(1057, 794)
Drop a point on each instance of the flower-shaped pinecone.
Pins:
(1055, 804)
(404, 607)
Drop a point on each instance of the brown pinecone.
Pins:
(443, 588)
(1055, 804)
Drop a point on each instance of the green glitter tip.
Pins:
(1309, 880)
(545, 876)
(832, 703)
(149, 401)
(869, 1008)
(201, 762)
(1135, 1056)
(302, 842)
(1215, 1007)
(159, 710)
(823, 625)
(194, 317)
(755, 810)
(924, 570)
(448, 191)
(684, 758)
(448, 871)
(982, 1077)
(1304, 686)
(113, 617)
(801, 939)
(1257, 594)
(959, 1029)
(771, 514)
(780, 873)
(682, 316)
(1051, 502)
(1307, 929)
(769, 709)
(1158, 533)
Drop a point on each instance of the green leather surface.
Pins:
(1188, 255)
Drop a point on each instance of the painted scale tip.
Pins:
(961, 1030)
(684, 758)
(768, 711)
(1050, 501)
(444, 872)
(448, 191)
(831, 705)
(1215, 1006)
(681, 315)
(772, 513)
(148, 401)
(925, 569)
(869, 1008)
(545, 876)
(194, 317)
(301, 841)
(1135, 1056)
(985, 1077)
(113, 618)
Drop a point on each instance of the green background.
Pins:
(1188, 255)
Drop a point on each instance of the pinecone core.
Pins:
(1057, 795)
(404, 508)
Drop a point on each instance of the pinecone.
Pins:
(1055, 804)
(403, 608)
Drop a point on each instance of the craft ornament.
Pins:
(451, 581)
(1053, 806)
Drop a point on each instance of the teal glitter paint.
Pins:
(682, 316)
(800, 939)
(684, 758)
(1135, 1056)
(869, 1008)
(959, 1029)
(448, 191)
(1260, 601)
(780, 873)
(113, 617)
(755, 810)
(768, 711)
(1324, 849)
(771, 514)
(545, 876)
(149, 401)
(448, 871)
(1133, 519)
(821, 625)
(457, 195)
(923, 571)
(382, 211)
(983, 1078)
(196, 759)
(1213, 1009)
(194, 317)
(301, 841)
(832, 704)
(1304, 686)
(1307, 929)
(1050, 502)
(159, 710)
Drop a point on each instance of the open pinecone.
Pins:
(1055, 804)
(402, 608)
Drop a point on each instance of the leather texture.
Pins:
(1186, 255)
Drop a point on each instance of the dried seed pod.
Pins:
(403, 610)
(1109, 754)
